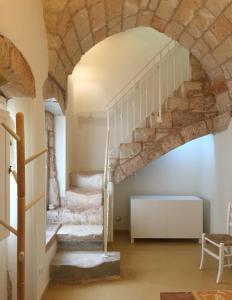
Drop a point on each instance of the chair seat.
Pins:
(226, 239)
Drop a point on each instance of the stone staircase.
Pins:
(80, 254)
(190, 113)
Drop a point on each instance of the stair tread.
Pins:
(84, 259)
(80, 232)
(85, 190)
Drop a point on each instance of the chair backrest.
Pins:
(229, 218)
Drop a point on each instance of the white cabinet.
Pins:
(4, 174)
(166, 217)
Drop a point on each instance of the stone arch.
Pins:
(74, 26)
(16, 78)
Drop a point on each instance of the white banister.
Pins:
(106, 195)
(146, 92)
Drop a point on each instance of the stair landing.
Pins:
(72, 266)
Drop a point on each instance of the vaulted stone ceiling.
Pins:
(202, 26)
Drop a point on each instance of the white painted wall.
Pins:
(22, 22)
(216, 176)
(202, 167)
(107, 67)
(102, 72)
(175, 173)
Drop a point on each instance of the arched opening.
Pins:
(198, 26)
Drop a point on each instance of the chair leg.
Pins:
(202, 251)
(220, 263)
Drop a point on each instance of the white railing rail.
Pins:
(146, 93)
(106, 195)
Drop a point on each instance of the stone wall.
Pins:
(53, 192)
(16, 79)
(203, 27)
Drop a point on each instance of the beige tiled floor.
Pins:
(148, 268)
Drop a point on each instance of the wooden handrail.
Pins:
(34, 201)
(10, 228)
(35, 156)
(11, 132)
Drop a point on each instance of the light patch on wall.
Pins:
(105, 69)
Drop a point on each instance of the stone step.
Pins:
(190, 89)
(142, 135)
(73, 266)
(91, 216)
(92, 179)
(166, 121)
(80, 237)
(83, 198)
(177, 103)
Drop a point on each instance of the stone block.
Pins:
(221, 122)
(64, 23)
(81, 23)
(197, 73)
(114, 8)
(73, 266)
(142, 135)
(191, 88)
(166, 121)
(166, 9)
(200, 49)
(216, 6)
(170, 142)
(186, 40)
(174, 30)
(223, 52)
(52, 62)
(129, 22)
(186, 11)
(144, 4)
(203, 19)
(194, 131)
(97, 16)
(129, 150)
(131, 7)
(159, 24)
(70, 42)
(115, 29)
(182, 118)
(223, 102)
(153, 4)
(99, 35)
(151, 151)
(218, 85)
(131, 166)
(221, 28)
(203, 104)
(145, 18)
(227, 69)
(75, 5)
(87, 43)
(179, 103)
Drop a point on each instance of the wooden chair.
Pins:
(224, 244)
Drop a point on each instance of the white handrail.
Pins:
(171, 44)
(145, 93)
(106, 194)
